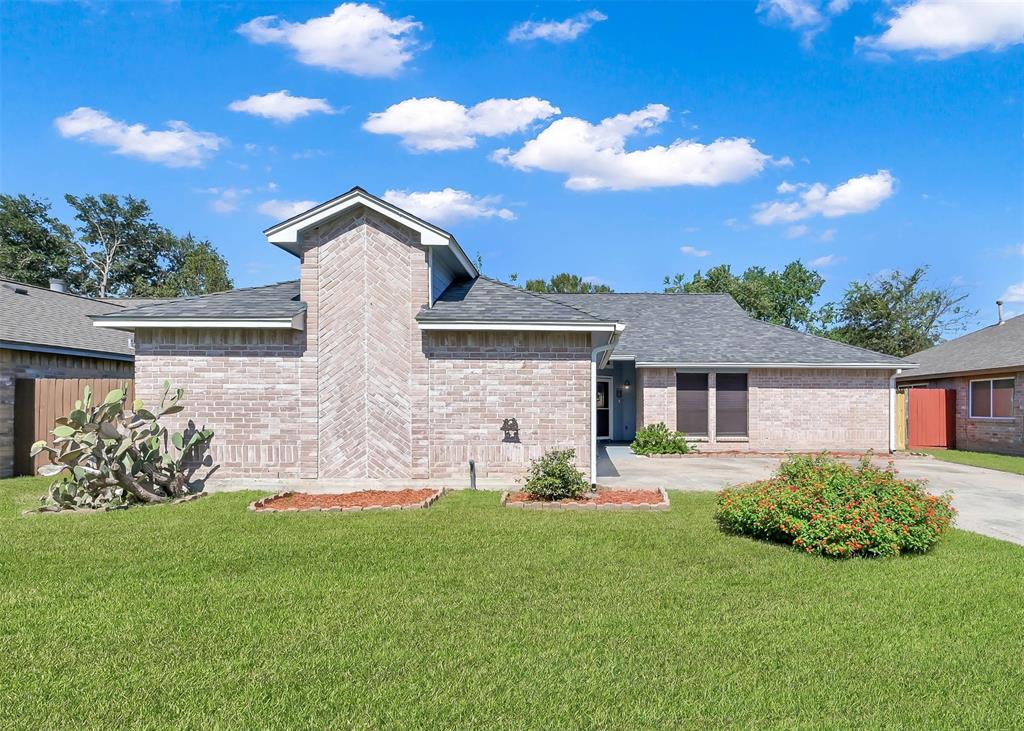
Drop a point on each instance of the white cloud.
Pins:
(827, 235)
(177, 146)
(556, 31)
(1014, 293)
(826, 261)
(356, 38)
(691, 229)
(433, 124)
(281, 106)
(226, 200)
(857, 195)
(785, 187)
(594, 155)
(810, 17)
(944, 28)
(282, 210)
(693, 251)
(795, 232)
(448, 205)
(1015, 250)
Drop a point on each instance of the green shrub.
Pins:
(825, 506)
(657, 439)
(555, 477)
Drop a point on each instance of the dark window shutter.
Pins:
(731, 404)
(692, 403)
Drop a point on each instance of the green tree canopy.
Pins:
(34, 245)
(116, 250)
(566, 283)
(782, 298)
(897, 314)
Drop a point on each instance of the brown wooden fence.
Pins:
(38, 402)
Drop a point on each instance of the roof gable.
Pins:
(288, 233)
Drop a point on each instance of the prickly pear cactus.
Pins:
(105, 455)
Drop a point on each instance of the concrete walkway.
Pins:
(989, 502)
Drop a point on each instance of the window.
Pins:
(992, 399)
(692, 403)
(731, 404)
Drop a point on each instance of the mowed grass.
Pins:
(468, 615)
(1001, 462)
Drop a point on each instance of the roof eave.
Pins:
(291, 322)
(724, 364)
(61, 350)
(522, 325)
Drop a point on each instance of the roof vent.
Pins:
(58, 285)
(999, 304)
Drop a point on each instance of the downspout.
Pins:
(600, 354)
(892, 410)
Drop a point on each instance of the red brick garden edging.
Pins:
(603, 499)
(347, 502)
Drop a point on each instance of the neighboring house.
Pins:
(986, 369)
(392, 359)
(47, 333)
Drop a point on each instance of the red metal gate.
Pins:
(932, 417)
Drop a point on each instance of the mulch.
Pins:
(601, 497)
(361, 500)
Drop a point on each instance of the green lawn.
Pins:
(469, 615)
(1002, 462)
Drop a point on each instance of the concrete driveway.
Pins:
(989, 502)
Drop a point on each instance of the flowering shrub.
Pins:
(555, 477)
(657, 439)
(825, 506)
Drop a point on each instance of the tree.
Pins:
(782, 298)
(566, 283)
(897, 314)
(195, 267)
(120, 244)
(34, 245)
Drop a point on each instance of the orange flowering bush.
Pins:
(825, 506)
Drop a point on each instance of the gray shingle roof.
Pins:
(660, 328)
(992, 348)
(251, 303)
(44, 319)
(712, 328)
(484, 299)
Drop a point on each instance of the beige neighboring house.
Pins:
(48, 333)
(986, 369)
(392, 359)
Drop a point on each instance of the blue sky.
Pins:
(859, 136)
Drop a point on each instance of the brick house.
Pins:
(986, 369)
(47, 333)
(392, 358)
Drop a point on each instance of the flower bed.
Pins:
(603, 499)
(348, 502)
(824, 506)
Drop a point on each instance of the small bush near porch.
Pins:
(659, 439)
(469, 615)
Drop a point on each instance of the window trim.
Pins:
(991, 401)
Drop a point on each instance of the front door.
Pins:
(604, 408)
